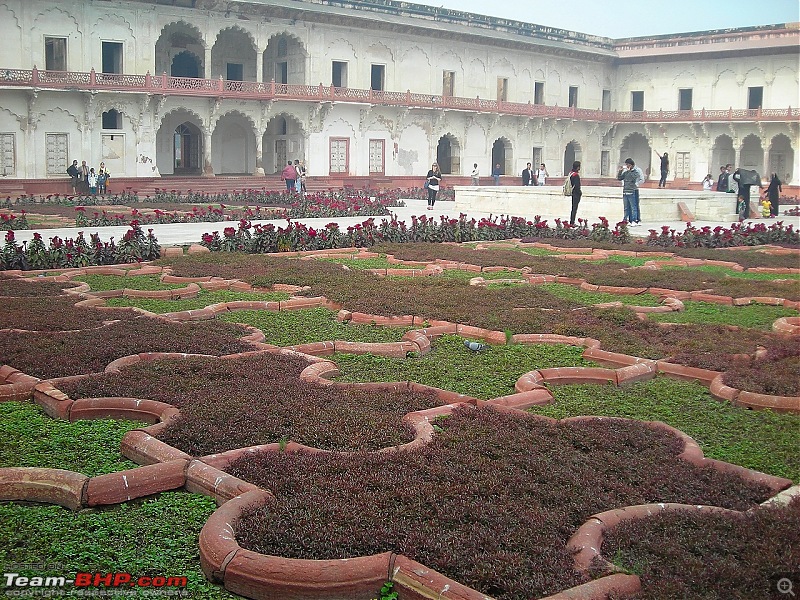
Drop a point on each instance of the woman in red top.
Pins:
(289, 175)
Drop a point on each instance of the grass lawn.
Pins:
(203, 299)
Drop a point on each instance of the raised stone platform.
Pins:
(655, 204)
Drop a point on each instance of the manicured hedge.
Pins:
(259, 399)
(490, 502)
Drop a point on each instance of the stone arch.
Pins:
(503, 154)
(572, 151)
(781, 157)
(725, 88)
(722, 153)
(233, 144)
(635, 145)
(233, 55)
(79, 123)
(751, 155)
(180, 142)
(182, 41)
(107, 22)
(284, 59)
(57, 23)
(283, 139)
(448, 154)
(415, 72)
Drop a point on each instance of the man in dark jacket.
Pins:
(722, 181)
(72, 171)
(528, 178)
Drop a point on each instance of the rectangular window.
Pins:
(7, 155)
(448, 83)
(502, 89)
(536, 159)
(755, 97)
(605, 163)
(56, 144)
(340, 160)
(573, 96)
(606, 100)
(112, 119)
(637, 101)
(235, 72)
(339, 74)
(112, 57)
(682, 165)
(376, 157)
(282, 72)
(538, 92)
(55, 54)
(685, 99)
(376, 77)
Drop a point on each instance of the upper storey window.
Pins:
(502, 89)
(448, 83)
(755, 97)
(339, 74)
(112, 57)
(538, 93)
(573, 96)
(637, 101)
(685, 99)
(55, 54)
(377, 77)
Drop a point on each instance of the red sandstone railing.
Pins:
(252, 90)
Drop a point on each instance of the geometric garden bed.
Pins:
(327, 489)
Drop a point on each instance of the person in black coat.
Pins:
(72, 171)
(575, 180)
(528, 176)
(433, 178)
(773, 194)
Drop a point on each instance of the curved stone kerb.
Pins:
(51, 486)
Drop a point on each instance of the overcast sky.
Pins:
(635, 18)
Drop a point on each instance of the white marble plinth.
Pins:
(597, 201)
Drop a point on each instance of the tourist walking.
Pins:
(575, 181)
(433, 179)
(722, 180)
(628, 176)
(708, 183)
(496, 172)
(773, 194)
(637, 215)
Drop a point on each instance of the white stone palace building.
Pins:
(379, 88)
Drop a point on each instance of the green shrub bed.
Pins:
(756, 316)
(762, 440)
(29, 438)
(99, 283)
(451, 366)
(293, 327)
(490, 502)
(679, 554)
(29, 289)
(204, 298)
(259, 399)
(155, 537)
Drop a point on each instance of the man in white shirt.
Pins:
(476, 175)
(541, 174)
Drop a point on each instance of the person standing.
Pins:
(628, 176)
(637, 216)
(744, 181)
(289, 175)
(72, 171)
(298, 183)
(83, 178)
(433, 179)
(528, 177)
(575, 181)
(302, 171)
(496, 172)
(475, 175)
(722, 180)
(101, 181)
(708, 183)
(92, 181)
(662, 183)
(541, 174)
(773, 194)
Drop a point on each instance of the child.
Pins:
(92, 181)
(101, 181)
(765, 208)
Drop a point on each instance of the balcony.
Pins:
(165, 85)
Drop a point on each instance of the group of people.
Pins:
(85, 181)
(295, 176)
(739, 182)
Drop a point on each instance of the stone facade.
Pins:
(380, 87)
